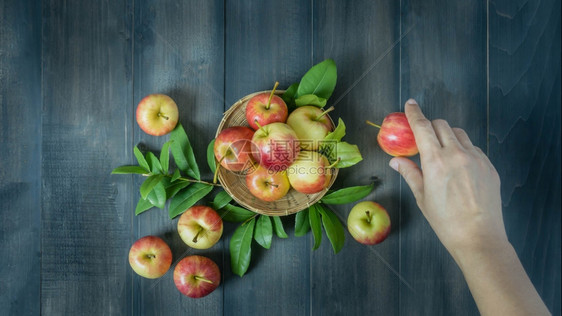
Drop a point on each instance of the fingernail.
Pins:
(412, 102)
(393, 164)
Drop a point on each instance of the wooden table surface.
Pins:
(72, 72)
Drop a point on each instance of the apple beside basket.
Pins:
(235, 184)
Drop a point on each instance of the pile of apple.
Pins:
(279, 150)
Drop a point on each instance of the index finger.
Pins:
(426, 140)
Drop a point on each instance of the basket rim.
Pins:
(222, 172)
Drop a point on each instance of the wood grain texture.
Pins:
(362, 37)
(267, 41)
(20, 143)
(178, 51)
(443, 66)
(525, 133)
(86, 128)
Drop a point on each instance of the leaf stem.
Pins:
(249, 219)
(372, 124)
(188, 180)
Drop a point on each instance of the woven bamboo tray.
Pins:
(235, 184)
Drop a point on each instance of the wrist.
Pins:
(468, 256)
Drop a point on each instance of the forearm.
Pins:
(498, 282)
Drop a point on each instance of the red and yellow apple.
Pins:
(268, 185)
(368, 222)
(157, 114)
(395, 135)
(150, 257)
(233, 148)
(266, 108)
(196, 276)
(310, 173)
(311, 124)
(200, 227)
(277, 145)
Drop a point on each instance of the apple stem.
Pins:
(150, 256)
(272, 184)
(372, 124)
(260, 127)
(334, 164)
(162, 115)
(271, 95)
(330, 109)
(369, 216)
(197, 235)
(216, 175)
(198, 278)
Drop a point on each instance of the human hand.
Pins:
(457, 188)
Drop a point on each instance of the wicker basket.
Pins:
(235, 184)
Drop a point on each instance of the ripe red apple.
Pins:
(311, 124)
(277, 146)
(150, 257)
(368, 222)
(395, 136)
(266, 108)
(197, 276)
(310, 173)
(157, 114)
(268, 185)
(200, 227)
(233, 148)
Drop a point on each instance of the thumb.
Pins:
(411, 174)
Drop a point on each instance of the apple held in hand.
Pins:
(150, 257)
(395, 136)
(233, 148)
(200, 227)
(311, 124)
(268, 185)
(157, 114)
(196, 276)
(266, 108)
(277, 146)
(310, 173)
(368, 222)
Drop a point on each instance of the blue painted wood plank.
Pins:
(525, 133)
(267, 41)
(363, 39)
(178, 51)
(86, 128)
(443, 66)
(20, 140)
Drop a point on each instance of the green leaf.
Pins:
(187, 198)
(348, 195)
(158, 195)
(154, 163)
(183, 153)
(221, 200)
(311, 99)
(348, 155)
(315, 225)
(129, 170)
(289, 95)
(241, 248)
(278, 227)
(231, 213)
(149, 184)
(320, 80)
(165, 157)
(143, 205)
(302, 224)
(176, 175)
(333, 227)
(264, 231)
(338, 133)
(140, 158)
(173, 188)
(211, 156)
